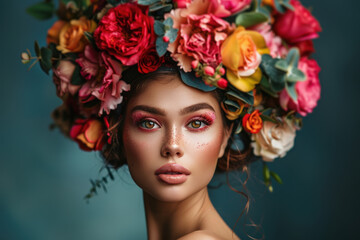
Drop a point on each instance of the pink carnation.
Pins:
(308, 91)
(225, 8)
(200, 39)
(104, 79)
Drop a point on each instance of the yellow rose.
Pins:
(241, 54)
(72, 38)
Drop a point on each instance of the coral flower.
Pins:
(252, 122)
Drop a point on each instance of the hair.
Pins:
(113, 153)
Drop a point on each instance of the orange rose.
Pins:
(252, 123)
(88, 133)
(71, 36)
(230, 114)
(54, 32)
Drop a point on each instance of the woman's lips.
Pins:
(172, 173)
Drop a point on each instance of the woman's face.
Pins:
(173, 135)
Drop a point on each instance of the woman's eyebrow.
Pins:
(149, 109)
(196, 107)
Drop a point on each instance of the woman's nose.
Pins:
(173, 144)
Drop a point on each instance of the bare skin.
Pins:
(192, 218)
(171, 124)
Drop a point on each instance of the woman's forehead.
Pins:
(170, 93)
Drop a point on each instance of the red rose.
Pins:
(298, 25)
(89, 134)
(150, 61)
(125, 32)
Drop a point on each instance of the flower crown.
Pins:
(256, 51)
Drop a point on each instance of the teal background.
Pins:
(43, 176)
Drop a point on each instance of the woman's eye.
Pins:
(196, 124)
(148, 124)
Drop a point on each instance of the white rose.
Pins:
(274, 140)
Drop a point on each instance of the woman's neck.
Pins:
(166, 220)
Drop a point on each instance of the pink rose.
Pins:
(125, 32)
(273, 42)
(308, 91)
(62, 78)
(200, 39)
(104, 79)
(225, 8)
(298, 25)
(181, 3)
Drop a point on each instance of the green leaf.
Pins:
(293, 57)
(161, 46)
(169, 22)
(276, 177)
(276, 77)
(266, 173)
(249, 19)
(191, 80)
(245, 97)
(42, 10)
(282, 65)
(267, 118)
(76, 78)
(159, 28)
(290, 89)
(45, 60)
(90, 38)
(147, 2)
(232, 103)
(295, 75)
(172, 34)
(37, 49)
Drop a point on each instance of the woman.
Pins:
(178, 89)
(172, 137)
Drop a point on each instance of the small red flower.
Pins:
(150, 61)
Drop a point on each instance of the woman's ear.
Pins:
(227, 134)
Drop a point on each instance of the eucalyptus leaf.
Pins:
(278, 6)
(276, 177)
(293, 57)
(232, 103)
(45, 60)
(191, 80)
(249, 19)
(161, 46)
(172, 34)
(147, 2)
(41, 10)
(169, 22)
(159, 28)
(245, 97)
(269, 119)
(239, 128)
(290, 89)
(282, 65)
(295, 75)
(287, 5)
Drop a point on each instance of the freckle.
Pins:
(202, 145)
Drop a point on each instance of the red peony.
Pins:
(125, 32)
(298, 25)
(150, 61)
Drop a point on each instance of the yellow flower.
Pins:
(241, 54)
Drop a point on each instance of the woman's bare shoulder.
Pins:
(202, 235)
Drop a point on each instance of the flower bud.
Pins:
(222, 83)
(25, 58)
(166, 39)
(194, 64)
(222, 71)
(209, 70)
